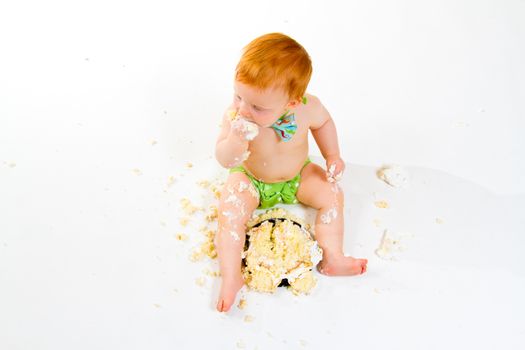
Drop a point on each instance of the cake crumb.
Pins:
(232, 114)
(212, 214)
(242, 304)
(196, 255)
(201, 281)
(210, 273)
(181, 237)
(171, 181)
(248, 318)
(382, 204)
(188, 207)
(189, 165)
(137, 171)
(184, 221)
(439, 221)
(203, 184)
(208, 246)
(241, 344)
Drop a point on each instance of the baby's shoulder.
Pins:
(311, 101)
(311, 105)
(313, 111)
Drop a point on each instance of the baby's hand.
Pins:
(243, 128)
(336, 167)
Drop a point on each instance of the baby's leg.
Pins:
(315, 191)
(239, 199)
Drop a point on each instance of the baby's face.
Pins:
(262, 107)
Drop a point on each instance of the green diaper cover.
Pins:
(274, 193)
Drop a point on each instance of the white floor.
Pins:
(102, 102)
(89, 260)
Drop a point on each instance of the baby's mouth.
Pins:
(246, 118)
(251, 121)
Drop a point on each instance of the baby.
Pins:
(264, 143)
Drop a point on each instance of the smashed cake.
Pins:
(280, 251)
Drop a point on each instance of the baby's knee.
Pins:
(240, 196)
(333, 196)
(226, 236)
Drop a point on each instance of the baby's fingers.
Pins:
(332, 175)
(246, 129)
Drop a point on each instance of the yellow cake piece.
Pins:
(280, 248)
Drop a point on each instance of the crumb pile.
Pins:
(280, 248)
(394, 175)
(391, 244)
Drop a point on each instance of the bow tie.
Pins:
(285, 127)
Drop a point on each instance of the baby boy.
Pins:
(264, 143)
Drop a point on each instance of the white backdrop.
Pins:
(102, 103)
(433, 84)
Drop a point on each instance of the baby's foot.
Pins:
(229, 289)
(345, 266)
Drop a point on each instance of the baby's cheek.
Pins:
(266, 121)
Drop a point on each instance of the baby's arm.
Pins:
(325, 135)
(232, 146)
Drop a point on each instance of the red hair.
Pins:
(275, 61)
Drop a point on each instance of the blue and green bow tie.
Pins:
(285, 127)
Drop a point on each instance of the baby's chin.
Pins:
(268, 125)
(261, 125)
(265, 126)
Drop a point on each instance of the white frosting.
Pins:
(249, 129)
(234, 235)
(245, 156)
(316, 254)
(295, 273)
(394, 175)
(233, 199)
(332, 177)
(242, 186)
(391, 245)
(329, 216)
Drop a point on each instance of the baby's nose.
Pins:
(244, 112)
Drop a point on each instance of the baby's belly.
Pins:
(276, 167)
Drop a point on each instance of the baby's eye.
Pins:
(257, 108)
(237, 97)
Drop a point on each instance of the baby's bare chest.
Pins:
(268, 141)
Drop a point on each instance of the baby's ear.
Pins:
(293, 103)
